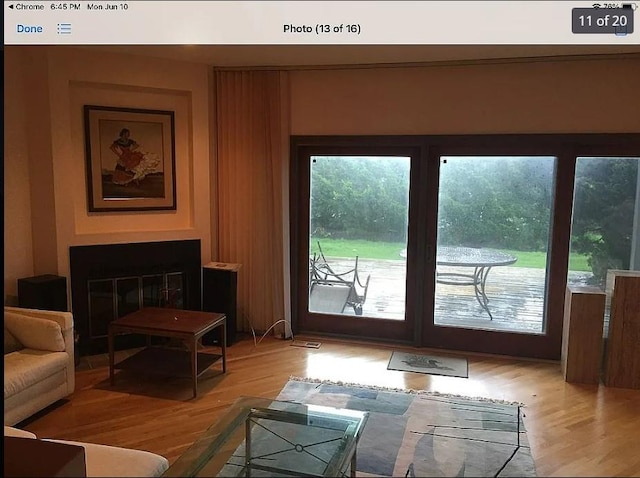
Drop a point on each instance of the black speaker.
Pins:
(219, 294)
(48, 292)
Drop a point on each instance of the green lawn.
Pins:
(391, 250)
(364, 249)
(537, 260)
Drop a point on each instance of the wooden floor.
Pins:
(574, 430)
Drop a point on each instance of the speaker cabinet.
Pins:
(48, 292)
(622, 364)
(581, 354)
(219, 294)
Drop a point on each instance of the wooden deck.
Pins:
(516, 295)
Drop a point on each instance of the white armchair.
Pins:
(38, 360)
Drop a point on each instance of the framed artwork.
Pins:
(130, 157)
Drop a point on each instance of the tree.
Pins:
(360, 197)
(604, 205)
(500, 202)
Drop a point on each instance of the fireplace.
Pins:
(111, 280)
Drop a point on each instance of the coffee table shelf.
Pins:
(167, 361)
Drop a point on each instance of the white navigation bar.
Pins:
(319, 22)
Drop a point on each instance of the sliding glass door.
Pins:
(497, 268)
(358, 219)
(494, 217)
(458, 242)
(355, 242)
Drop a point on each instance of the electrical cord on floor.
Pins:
(253, 332)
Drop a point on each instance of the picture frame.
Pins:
(130, 156)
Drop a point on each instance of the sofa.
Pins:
(38, 361)
(104, 460)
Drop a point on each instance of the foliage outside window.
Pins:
(604, 206)
(503, 203)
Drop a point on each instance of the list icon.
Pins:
(64, 28)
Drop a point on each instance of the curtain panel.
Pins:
(252, 135)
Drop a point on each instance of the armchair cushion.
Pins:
(28, 367)
(105, 460)
(35, 333)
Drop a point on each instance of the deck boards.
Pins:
(516, 295)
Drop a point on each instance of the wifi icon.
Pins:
(596, 5)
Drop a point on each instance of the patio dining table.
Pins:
(481, 260)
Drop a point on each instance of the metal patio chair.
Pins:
(322, 274)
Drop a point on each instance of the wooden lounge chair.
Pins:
(333, 291)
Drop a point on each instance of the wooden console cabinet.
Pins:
(622, 368)
(582, 334)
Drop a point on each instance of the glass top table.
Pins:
(263, 437)
(480, 259)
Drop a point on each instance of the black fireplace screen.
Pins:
(109, 281)
(110, 299)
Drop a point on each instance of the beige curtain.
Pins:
(252, 131)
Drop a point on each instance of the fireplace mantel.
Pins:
(122, 263)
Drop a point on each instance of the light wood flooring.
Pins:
(574, 430)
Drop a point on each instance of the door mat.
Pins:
(304, 343)
(430, 364)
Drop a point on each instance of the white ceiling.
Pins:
(310, 55)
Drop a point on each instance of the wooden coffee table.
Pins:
(186, 325)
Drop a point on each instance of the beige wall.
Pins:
(18, 244)
(74, 77)
(45, 88)
(540, 97)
